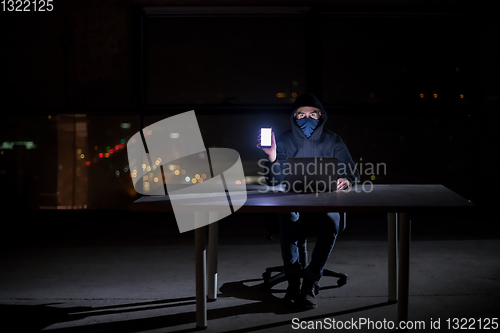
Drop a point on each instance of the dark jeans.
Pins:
(294, 229)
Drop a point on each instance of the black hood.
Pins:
(308, 99)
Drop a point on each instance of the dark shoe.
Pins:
(308, 294)
(292, 292)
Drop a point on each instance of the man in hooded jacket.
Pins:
(307, 138)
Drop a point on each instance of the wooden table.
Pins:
(398, 201)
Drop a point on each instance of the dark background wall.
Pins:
(84, 58)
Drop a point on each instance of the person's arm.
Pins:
(347, 168)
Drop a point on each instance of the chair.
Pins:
(272, 280)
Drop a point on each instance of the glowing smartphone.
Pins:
(265, 137)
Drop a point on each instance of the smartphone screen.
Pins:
(265, 136)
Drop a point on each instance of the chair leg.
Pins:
(342, 278)
(272, 280)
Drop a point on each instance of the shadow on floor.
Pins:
(32, 318)
(288, 322)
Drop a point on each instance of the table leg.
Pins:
(201, 271)
(392, 255)
(404, 265)
(213, 240)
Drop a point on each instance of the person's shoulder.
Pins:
(331, 135)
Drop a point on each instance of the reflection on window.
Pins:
(396, 59)
(69, 161)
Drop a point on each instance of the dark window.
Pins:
(212, 60)
(397, 59)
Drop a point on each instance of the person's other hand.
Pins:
(270, 151)
(343, 184)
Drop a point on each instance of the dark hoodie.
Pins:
(321, 143)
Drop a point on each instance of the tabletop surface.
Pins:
(371, 198)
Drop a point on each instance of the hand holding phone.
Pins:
(267, 142)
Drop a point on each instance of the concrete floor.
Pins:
(135, 273)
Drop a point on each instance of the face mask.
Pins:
(307, 125)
